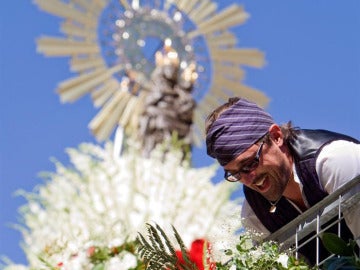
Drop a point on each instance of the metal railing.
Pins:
(309, 225)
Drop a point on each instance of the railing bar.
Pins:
(330, 256)
(297, 241)
(333, 223)
(289, 242)
(288, 239)
(311, 211)
(307, 241)
(339, 216)
(311, 221)
(317, 237)
(331, 213)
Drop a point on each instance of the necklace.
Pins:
(273, 205)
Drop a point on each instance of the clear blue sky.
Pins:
(312, 77)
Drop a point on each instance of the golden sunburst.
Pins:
(106, 38)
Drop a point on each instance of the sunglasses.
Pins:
(247, 168)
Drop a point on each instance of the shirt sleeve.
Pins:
(250, 221)
(338, 163)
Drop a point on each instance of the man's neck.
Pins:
(293, 193)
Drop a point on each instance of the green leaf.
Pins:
(341, 263)
(159, 253)
(336, 245)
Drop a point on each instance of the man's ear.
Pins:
(276, 134)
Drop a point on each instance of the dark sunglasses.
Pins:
(247, 168)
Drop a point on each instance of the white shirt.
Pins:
(337, 163)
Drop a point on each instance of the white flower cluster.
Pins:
(102, 200)
(250, 254)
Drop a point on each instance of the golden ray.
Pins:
(198, 8)
(83, 64)
(89, 6)
(230, 11)
(229, 71)
(132, 122)
(104, 93)
(61, 9)
(83, 4)
(220, 40)
(68, 90)
(231, 16)
(120, 106)
(186, 5)
(51, 46)
(205, 12)
(75, 88)
(250, 57)
(220, 94)
(128, 111)
(242, 90)
(70, 29)
(105, 121)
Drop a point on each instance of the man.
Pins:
(284, 170)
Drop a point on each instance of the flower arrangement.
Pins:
(261, 256)
(159, 253)
(87, 215)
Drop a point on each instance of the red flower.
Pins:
(200, 250)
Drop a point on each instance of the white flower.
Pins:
(283, 259)
(232, 267)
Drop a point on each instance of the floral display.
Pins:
(87, 215)
(158, 252)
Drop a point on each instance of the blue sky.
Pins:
(312, 77)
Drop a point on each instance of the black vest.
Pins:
(305, 148)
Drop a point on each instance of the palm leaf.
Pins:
(184, 252)
(154, 252)
(159, 253)
(167, 240)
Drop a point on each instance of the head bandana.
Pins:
(236, 129)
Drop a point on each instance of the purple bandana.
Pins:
(236, 129)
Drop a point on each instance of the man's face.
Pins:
(271, 176)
